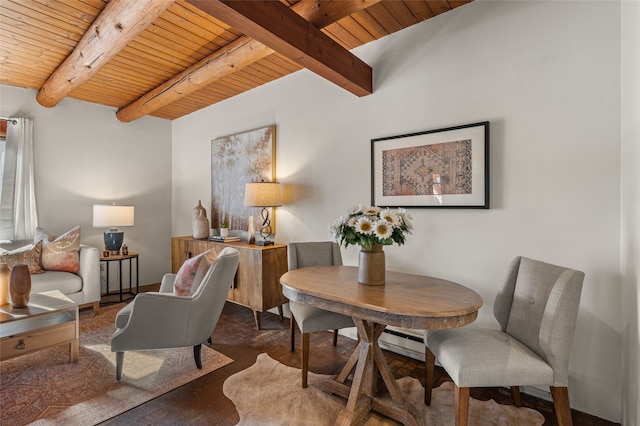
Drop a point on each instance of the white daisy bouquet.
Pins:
(371, 226)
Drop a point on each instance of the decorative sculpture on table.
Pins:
(19, 285)
(371, 228)
(200, 223)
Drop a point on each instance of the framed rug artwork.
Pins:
(436, 168)
(235, 160)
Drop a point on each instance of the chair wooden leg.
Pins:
(197, 352)
(561, 404)
(429, 371)
(119, 362)
(335, 337)
(292, 326)
(305, 358)
(515, 394)
(462, 405)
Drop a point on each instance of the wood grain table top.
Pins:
(405, 300)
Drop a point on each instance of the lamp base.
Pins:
(113, 241)
(264, 243)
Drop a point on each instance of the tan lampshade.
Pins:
(105, 216)
(262, 194)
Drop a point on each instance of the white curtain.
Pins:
(19, 218)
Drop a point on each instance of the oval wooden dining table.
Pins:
(405, 300)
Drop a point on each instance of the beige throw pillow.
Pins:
(60, 253)
(28, 255)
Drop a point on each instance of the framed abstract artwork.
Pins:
(446, 167)
(235, 160)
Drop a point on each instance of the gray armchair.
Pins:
(537, 310)
(308, 318)
(159, 320)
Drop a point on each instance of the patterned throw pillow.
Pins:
(192, 272)
(60, 253)
(29, 255)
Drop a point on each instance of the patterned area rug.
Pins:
(270, 393)
(44, 388)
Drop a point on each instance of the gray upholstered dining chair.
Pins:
(161, 320)
(537, 309)
(309, 318)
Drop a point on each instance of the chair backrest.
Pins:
(320, 253)
(538, 305)
(211, 295)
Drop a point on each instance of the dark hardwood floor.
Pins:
(202, 402)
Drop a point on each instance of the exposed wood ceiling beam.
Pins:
(232, 58)
(119, 23)
(325, 13)
(280, 28)
(238, 54)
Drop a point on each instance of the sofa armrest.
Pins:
(90, 273)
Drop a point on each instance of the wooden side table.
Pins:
(119, 258)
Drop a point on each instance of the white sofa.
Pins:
(83, 288)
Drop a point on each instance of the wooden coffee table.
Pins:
(50, 319)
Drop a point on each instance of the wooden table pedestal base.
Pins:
(370, 364)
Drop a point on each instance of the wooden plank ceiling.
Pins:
(169, 58)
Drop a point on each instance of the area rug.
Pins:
(270, 393)
(44, 388)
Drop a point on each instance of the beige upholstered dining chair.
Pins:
(162, 320)
(537, 309)
(309, 318)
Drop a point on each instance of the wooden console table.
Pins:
(257, 282)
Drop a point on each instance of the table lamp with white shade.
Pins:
(112, 217)
(263, 194)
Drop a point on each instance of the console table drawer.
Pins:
(24, 343)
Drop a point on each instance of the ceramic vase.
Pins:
(200, 223)
(224, 232)
(5, 273)
(19, 285)
(371, 267)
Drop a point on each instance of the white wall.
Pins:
(630, 211)
(547, 76)
(83, 156)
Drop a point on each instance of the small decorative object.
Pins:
(224, 229)
(251, 232)
(105, 252)
(200, 222)
(371, 228)
(19, 285)
(125, 250)
(5, 273)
